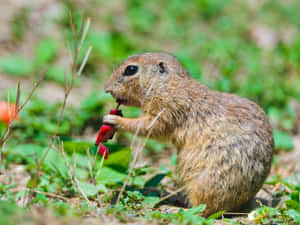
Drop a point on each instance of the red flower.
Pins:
(5, 116)
(103, 151)
(106, 132)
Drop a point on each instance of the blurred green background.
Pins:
(251, 48)
(247, 47)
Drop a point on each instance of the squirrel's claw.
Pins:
(110, 119)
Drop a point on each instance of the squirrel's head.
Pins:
(144, 76)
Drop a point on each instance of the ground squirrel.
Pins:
(225, 142)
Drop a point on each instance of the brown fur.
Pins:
(224, 142)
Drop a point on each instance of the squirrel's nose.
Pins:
(107, 87)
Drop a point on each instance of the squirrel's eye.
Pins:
(130, 70)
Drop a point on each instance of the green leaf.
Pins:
(82, 174)
(16, 65)
(114, 147)
(217, 215)
(119, 160)
(296, 196)
(291, 204)
(192, 66)
(45, 51)
(283, 140)
(101, 188)
(294, 215)
(196, 210)
(174, 159)
(150, 200)
(110, 176)
(131, 112)
(101, 43)
(138, 181)
(77, 146)
(155, 181)
(82, 160)
(291, 181)
(154, 145)
(27, 150)
(50, 127)
(8, 210)
(56, 73)
(95, 102)
(90, 189)
(55, 162)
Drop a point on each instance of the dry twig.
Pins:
(68, 88)
(18, 109)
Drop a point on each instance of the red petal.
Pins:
(99, 138)
(107, 132)
(103, 150)
(105, 128)
(103, 133)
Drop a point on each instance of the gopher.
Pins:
(224, 142)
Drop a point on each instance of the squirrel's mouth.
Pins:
(122, 101)
(126, 102)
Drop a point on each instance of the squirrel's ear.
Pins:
(162, 68)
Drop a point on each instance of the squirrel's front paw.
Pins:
(110, 119)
